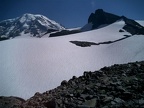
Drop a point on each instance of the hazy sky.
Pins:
(71, 13)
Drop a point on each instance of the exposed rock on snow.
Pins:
(3, 38)
(64, 32)
(88, 44)
(111, 87)
(83, 43)
(133, 27)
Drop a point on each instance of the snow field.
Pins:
(30, 65)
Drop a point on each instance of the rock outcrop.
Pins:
(88, 44)
(101, 17)
(133, 27)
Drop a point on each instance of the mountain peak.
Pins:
(99, 11)
(101, 17)
(27, 17)
(35, 25)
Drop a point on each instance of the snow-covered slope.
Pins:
(34, 25)
(36, 65)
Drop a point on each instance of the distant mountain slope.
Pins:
(35, 25)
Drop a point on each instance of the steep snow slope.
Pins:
(36, 65)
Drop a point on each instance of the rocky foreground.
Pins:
(111, 87)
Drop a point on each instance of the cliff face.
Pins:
(101, 17)
(115, 86)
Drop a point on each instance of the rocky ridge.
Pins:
(102, 18)
(111, 87)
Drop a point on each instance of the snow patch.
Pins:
(11, 28)
(27, 18)
(26, 25)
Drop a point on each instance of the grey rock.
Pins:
(118, 100)
(83, 106)
(64, 82)
(141, 101)
(108, 99)
(91, 103)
